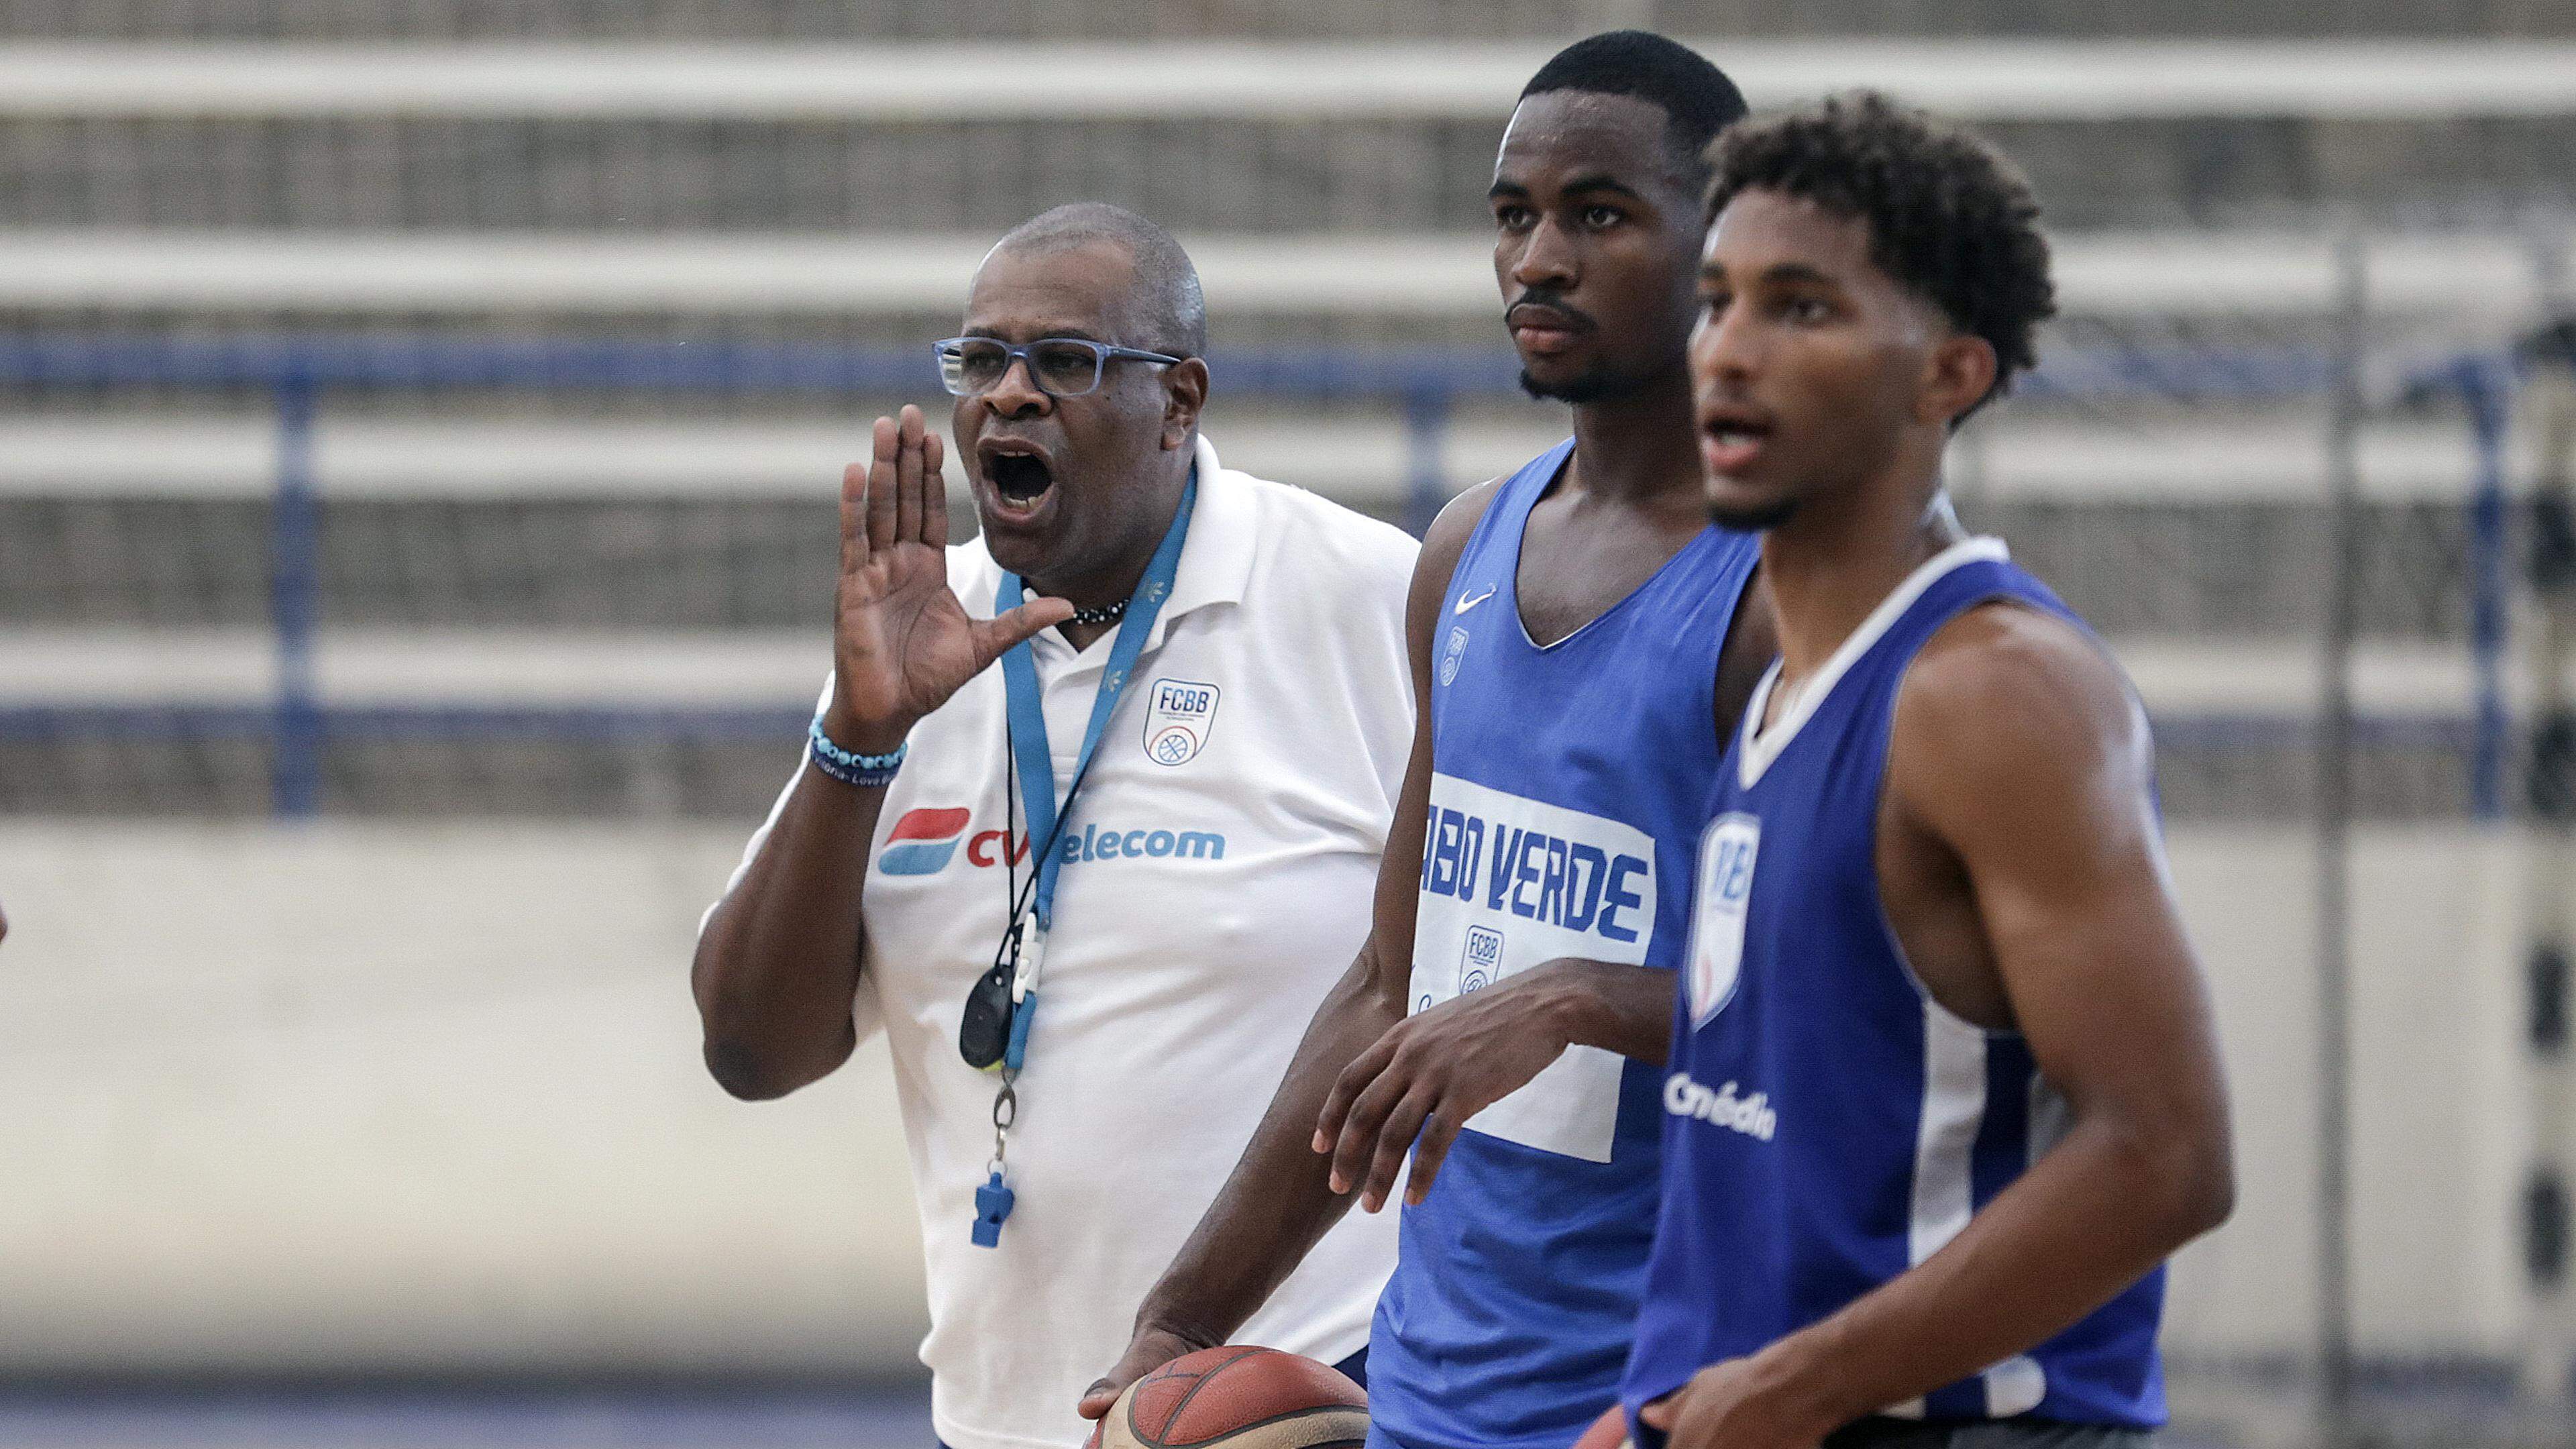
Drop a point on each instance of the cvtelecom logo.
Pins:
(923, 841)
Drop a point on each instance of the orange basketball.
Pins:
(1239, 1396)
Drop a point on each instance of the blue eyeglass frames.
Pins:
(1060, 366)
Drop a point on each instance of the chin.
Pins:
(1750, 515)
(1590, 385)
(1016, 550)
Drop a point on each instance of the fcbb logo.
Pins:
(1177, 724)
(921, 842)
(1726, 859)
(1483, 961)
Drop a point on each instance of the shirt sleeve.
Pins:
(1382, 675)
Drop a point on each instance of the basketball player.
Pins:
(1579, 655)
(1943, 1092)
(1081, 893)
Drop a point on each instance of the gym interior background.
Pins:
(419, 425)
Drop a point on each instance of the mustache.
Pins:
(1548, 305)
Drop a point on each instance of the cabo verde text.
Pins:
(1533, 874)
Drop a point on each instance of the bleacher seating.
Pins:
(134, 536)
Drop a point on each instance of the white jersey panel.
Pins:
(1522, 882)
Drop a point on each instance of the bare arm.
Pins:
(778, 961)
(1277, 1203)
(2017, 751)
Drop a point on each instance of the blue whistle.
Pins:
(992, 1204)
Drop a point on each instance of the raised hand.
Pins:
(901, 641)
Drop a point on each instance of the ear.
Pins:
(1957, 375)
(1185, 390)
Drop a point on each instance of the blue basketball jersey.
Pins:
(1566, 795)
(1827, 1125)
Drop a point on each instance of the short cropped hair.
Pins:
(1166, 280)
(1695, 96)
(1948, 216)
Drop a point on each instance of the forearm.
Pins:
(779, 960)
(1278, 1202)
(2099, 1211)
(1618, 1008)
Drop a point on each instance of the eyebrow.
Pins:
(1776, 272)
(1799, 272)
(1602, 181)
(1078, 334)
(1592, 181)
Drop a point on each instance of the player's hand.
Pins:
(1150, 1349)
(901, 642)
(1735, 1404)
(1427, 1076)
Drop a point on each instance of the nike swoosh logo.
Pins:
(1465, 604)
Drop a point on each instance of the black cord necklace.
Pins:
(1105, 614)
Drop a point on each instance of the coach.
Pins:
(1092, 895)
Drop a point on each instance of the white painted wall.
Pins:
(418, 1097)
(405, 1096)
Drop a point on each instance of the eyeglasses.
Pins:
(1060, 366)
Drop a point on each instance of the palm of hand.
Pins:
(905, 643)
(901, 642)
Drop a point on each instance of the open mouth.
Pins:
(1730, 441)
(1021, 477)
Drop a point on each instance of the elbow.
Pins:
(744, 1075)
(2211, 1200)
(2186, 1171)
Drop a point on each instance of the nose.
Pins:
(1724, 347)
(1546, 259)
(1016, 394)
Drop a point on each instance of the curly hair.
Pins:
(1948, 216)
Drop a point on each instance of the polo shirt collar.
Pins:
(1216, 558)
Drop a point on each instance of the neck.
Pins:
(1838, 557)
(1641, 449)
(1114, 580)
(1098, 588)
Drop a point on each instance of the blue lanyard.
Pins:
(1030, 752)
(1035, 765)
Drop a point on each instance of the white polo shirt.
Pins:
(1223, 862)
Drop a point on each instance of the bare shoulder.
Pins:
(1442, 544)
(2008, 697)
(1447, 537)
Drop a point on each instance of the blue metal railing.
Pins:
(297, 372)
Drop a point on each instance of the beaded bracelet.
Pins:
(865, 771)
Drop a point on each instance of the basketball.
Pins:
(1240, 1396)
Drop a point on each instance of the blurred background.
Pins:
(419, 426)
